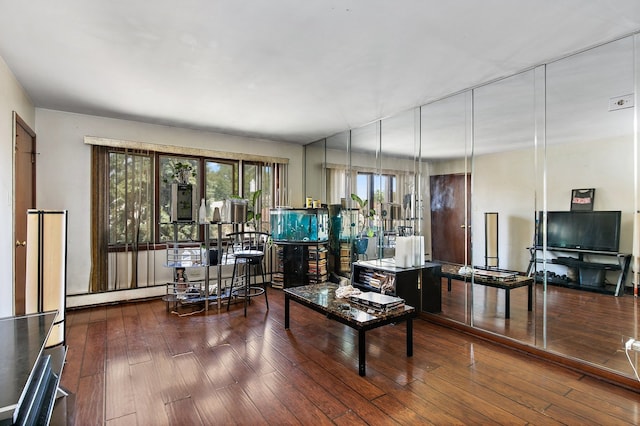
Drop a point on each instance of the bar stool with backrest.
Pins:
(247, 249)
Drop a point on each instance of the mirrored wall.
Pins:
(481, 175)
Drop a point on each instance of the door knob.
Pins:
(18, 243)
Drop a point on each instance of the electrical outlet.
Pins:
(621, 102)
(632, 345)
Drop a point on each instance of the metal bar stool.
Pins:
(248, 253)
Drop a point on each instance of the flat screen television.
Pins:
(581, 230)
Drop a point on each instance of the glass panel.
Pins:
(181, 232)
(503, 188)
(131, 198)
(131, 212)
(590, 144)
(444, 154)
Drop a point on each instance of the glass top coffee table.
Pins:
(321, 298)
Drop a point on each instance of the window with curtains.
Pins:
(131, 207)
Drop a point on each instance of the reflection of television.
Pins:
(581, 230)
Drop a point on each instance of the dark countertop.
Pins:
(22, 340)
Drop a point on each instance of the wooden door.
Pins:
(448, 194)
(25, 172)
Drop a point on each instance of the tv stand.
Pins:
(590, 272)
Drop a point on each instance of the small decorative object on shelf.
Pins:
(202, 212)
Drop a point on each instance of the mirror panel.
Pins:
(399, 199)
(503, 184)
(445, 153)
(338, 188)
(590, 146)
(365, 171)
(315, 171)
(527, 141)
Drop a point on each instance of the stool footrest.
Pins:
(253, 292)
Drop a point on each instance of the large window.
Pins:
(131, 205)
(140, 193)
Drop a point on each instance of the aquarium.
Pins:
(289, 224)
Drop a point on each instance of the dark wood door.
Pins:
(449, 241)
(25, 172)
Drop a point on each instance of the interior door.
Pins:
(25, 172)
(449, 241)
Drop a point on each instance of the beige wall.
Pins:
(64, 167)
(506, 183)
(12, 98)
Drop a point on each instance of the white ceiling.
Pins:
(286, 70)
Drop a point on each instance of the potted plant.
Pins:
(180, 173)
(365, 214)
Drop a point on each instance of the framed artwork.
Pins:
(582, 199)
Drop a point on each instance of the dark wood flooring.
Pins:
(586, 325)
(137, 364)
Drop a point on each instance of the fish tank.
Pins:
(299, 225)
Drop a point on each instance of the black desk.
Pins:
(321, 298)
(22, 354)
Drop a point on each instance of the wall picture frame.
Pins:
(582, 199)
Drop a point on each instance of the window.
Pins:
(131, 198)
(140, 197)
(221, 183)
(166, 230)
(131, 209)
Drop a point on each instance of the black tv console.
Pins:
(591, 272)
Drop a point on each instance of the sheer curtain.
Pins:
(336, 184)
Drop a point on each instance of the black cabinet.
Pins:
(301, 263)
(419, 286)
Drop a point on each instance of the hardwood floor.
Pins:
(586, 325)
(138, 364)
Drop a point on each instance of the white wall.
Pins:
(64, 167)
(12, 98)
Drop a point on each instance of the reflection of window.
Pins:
(131, 198)
(376, 188)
